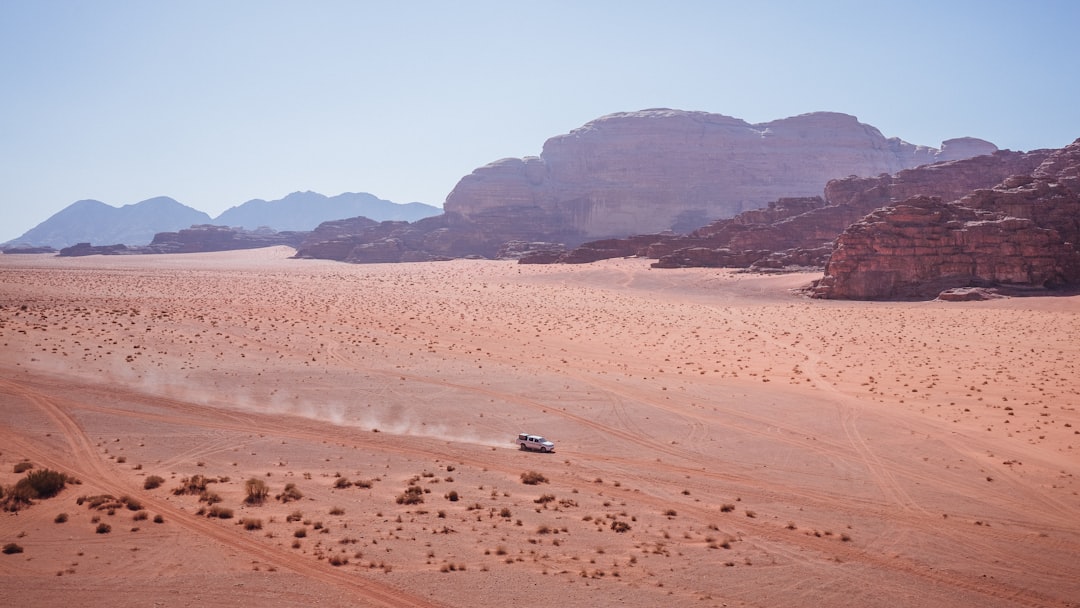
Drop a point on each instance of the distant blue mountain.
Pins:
(306, 210)
(90, 221)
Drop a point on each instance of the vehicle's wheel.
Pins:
(522, 446)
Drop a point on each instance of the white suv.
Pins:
(534, 442)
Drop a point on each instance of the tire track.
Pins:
(84, 462)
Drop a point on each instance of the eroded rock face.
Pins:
(801, 231)
(657, 170)
(197, 239)
(648, 172)
(1021, 233)
(205, 238)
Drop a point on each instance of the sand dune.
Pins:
(720, 439)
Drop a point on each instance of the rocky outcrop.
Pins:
(535, 252)
(657, 170)
(197, 239)
(206, 238)
(362, 241)
(654, 171)
(85, 249)
(28, 249)
(1022, 233)
(799, 232)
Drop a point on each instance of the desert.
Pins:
(721, 439)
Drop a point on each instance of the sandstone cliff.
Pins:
(656, 170)
(1022, 233)
(800, 231)
(196, 239)
(648, 171)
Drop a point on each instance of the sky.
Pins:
(218, 102)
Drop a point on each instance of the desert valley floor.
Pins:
(720, 439)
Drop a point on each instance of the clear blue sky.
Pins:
(217, 102)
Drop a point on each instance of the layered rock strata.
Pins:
(646, 172)
(1023, 234)
(197, 239)
(801, 231)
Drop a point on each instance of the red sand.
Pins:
(764, 449)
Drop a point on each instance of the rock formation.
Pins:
(801, 231)
(658, 170)
(197, 239)
(1023, 233)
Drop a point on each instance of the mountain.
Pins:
(306, 210)
(90, 221)
(646, 172)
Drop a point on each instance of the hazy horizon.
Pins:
(214, 104)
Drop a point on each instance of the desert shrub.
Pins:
(103, 528)
(294, 516)
(158, 519)
(505, 512)
(43, 483)
(252, 523)
(452, 496)
(256, 491)
(103, 502)
(210, 498)
(132, 504)
(337, 511)
(140, 515)
(290, 493)
(413, 495)
(338, 560)
(12, 548)
(196, 484)
(61, 518)
(153, 482)
(220, 512)
(544, 499)
(364, 483)
(300, 532)
(532, 478)
(23, 466)
(620, 526)
(342, 482)
(727, 508)
(670, 513)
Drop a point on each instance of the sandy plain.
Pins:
(721, 440)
